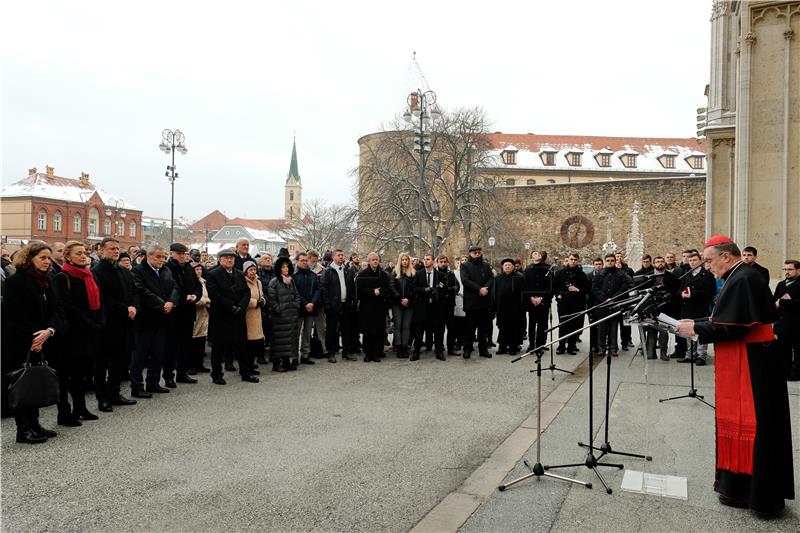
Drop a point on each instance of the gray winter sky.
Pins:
(88, 86)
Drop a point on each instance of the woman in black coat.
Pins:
(32, 315)
(79, 293)
(402, 293)
(372, 288)
(284, 303)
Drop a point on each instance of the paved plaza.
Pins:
(378, 447)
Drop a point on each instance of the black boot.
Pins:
(293, 364)
(26, 435)
(65, 416)
(43, 432)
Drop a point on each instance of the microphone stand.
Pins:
(591, 462)
(552, 368)
(606, 448)
(537, 470)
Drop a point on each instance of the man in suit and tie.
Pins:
(338, 290)
(158, 296)
(426, 318)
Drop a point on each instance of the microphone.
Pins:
(550, 270)
(642, 302)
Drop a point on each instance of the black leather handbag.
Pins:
(32, 386)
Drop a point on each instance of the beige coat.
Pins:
(255, 329)
(201, 317)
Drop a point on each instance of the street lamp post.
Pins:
(422, 106)
(172, 141)
(117, 207)
(492, 242)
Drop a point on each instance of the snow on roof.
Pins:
(261, 235)
(511, 148)
(41, 185)
(648, 150)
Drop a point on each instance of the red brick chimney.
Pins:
(84, 178)
(50, 171)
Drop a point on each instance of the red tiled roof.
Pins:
(214, 220)
(259, 223)
(535, 143)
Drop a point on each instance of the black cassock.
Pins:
(753, 429)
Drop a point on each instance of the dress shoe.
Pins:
(454, 353)
(572, 351)
(202, 370)
(377, 359)
(169, 382)
(677, 355)
(230, 367)
(794, 375)
(105, 406)
(84, 414)
(502, 351)
(250, 379)
(331, 359)
(613, 354)
(685, 360)
(191, 372)
(29, 436)
(185, 378)
(492, 345)
(278, 368)
(68, 420)
(625, 347)
(255, 365)
(700, 361)
(487, 355)
(157, 389)
(561, 350)
(664, 357)
(218, 381)
(140, 393)
(121, 400)
(307, 361)
(467, 354)
(600, 354)
(43, 432)
(440, 356)
(367, 359)
(255, 372)
(414, 357)
(349, 357)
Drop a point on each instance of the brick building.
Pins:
(54, 208)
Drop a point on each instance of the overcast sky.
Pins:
(88, 86)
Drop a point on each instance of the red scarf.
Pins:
(92, 290)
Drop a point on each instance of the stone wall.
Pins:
(582, 217)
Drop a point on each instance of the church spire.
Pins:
(294, 174)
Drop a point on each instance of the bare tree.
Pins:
(325, 226)
(454, 188)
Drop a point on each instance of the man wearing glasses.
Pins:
(787, 300)
(753, 430)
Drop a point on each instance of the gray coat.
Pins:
(285, 308)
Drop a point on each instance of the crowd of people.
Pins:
(103, 316)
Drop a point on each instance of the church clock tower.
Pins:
(293, 190)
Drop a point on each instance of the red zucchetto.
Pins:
(718, 239)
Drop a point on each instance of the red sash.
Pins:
(736, 414)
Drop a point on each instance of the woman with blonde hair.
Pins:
(402, 286)
(79, 293)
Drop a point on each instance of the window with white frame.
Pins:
(76, 223)
(42, 220)
(57, 221)
(132, 229)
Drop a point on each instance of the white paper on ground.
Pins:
(655, 484)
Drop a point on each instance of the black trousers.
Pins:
(111, 363)
(198, 352)
(537, 327)
(373, 344)
(339, 325)
(75, 364)
(178, 353)
(607, 332)
(149, 354)
(459, 331)
(449, 323)
(510, 331)
(625, 334)
(254, 350)
(26, 418)
(481, 320)
(226, 351)
(790, 347)
(654, 337)
(428, 322)
(570, 326)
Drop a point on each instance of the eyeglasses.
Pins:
(788, 269)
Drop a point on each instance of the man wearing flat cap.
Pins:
(227, 329)
(476, 277)
(179, 341)
(507, 303)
